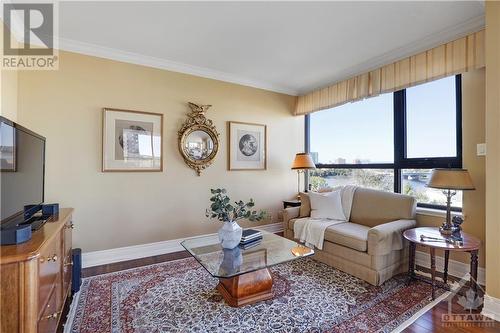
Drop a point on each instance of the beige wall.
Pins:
(473, 131)
(122, 209)
(8, 88)
(493, 146)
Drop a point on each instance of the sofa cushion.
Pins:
(351, 235)
(305, 202)
(372, 207)
(358, 257)
(327, 206)
(363, 258)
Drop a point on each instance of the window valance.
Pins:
(452, 58)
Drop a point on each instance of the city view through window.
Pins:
(362, 133)
(414, 182)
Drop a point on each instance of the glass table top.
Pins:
(223, 263)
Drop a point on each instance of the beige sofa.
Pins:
(370, 246)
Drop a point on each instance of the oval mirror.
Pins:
(199, 145)
(198, 139)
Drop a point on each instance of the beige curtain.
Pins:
(452, 58)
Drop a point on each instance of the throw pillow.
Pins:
(327, 206)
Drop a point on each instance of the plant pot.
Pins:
(230, 235)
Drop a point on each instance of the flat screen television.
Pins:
(22, 171)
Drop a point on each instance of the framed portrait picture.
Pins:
(132, 140)
(247, 146)
(8, 149)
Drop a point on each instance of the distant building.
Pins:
(361, 161)
(340, 160)
(314, 156)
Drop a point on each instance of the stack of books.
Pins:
(250, 238)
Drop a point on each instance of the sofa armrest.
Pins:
(288, 214)
(387, 237)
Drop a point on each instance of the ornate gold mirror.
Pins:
(198, 139)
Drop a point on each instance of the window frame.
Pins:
(401, 161)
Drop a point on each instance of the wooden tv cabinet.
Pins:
(36, 278)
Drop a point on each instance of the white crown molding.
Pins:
(491, 307)
(447, 35)
(455, 268)
(460, 30)
(154, 62)
(96, 258)
(94, 50)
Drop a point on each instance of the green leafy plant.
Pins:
(317, 183)
(222, 210)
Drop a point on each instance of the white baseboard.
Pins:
(273, 227)
(491, 307)
(455, 268)
(96, 258)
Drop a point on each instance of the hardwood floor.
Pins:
(431, 321)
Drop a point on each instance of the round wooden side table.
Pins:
(470, 244)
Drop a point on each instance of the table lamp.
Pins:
(450, 180)
(302, 162)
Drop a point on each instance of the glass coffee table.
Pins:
(244, 276)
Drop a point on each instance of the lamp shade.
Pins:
(303, 161)
(451, 179)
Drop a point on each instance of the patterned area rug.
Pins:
(180, 296)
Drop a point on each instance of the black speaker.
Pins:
(15, 235)
(50, 209)
(76, 279)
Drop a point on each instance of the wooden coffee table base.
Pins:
(247, 288)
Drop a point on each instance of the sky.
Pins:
(364, 130)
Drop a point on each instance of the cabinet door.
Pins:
(49, 271)
(9, 297)
(68, 260)
(50, 315)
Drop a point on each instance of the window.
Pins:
(431, 113)
(390, 142)
(413, 182)
(368, 122)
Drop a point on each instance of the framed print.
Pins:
(247, 146)
(8, 149)
(132, 140)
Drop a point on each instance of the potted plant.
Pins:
(222, 210)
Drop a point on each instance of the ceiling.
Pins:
(289, 47)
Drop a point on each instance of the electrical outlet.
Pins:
(481, 149)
